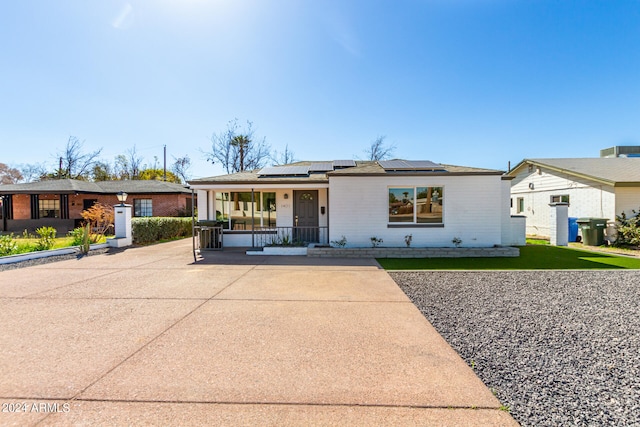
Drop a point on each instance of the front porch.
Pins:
(213, 236)
(276, 215)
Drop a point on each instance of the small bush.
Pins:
(628, 229)
(77, 236)
(46, 238)
(153, 229)
(100, 218)
(339, 243)
(8, 245)
(81, 237)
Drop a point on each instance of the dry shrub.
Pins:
(100, 218)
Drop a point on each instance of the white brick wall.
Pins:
(473, 210)
(627, 199)
(586, 198)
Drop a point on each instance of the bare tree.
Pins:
(237, 150)
(32, 172)
(9, 175)
(378, 150)
(284, 158)
(181, 167)
(74, 163)
(128, 165)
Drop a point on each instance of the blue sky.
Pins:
(467, 82)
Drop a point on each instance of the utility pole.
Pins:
(164, 177)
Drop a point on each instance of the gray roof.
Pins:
(365, 168)
(610, 170)
(361, 168)
(100, 187)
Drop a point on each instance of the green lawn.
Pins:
(25, 245)
(533, 257)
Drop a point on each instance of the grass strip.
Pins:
(533, 257)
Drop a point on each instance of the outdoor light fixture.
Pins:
(122, 197)
(286, 195)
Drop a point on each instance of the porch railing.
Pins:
(290, 236)
(207, 238)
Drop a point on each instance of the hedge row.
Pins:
(152, 229)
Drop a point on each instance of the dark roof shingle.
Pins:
(100, 187)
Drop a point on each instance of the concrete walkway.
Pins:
(144, 336)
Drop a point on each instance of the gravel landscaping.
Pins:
(49, 259)
(556, 347)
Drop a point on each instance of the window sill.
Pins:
(412, 225)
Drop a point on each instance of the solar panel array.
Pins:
(305, 170)
(284, 171)
(410, 165)
(344, 163)
(321, 167)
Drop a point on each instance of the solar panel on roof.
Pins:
(344, 163)
(321, 167)
(284, 171)
(410, 165)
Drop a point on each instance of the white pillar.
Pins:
(559, 222)
(122, 226)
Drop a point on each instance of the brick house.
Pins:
(59, 203)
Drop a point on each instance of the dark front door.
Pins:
(305, 215)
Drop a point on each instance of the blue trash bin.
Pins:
(573, 229)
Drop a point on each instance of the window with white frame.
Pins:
(416, 205)
(563, 198)
(520, 204)
(142, 207)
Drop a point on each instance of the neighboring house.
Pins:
(593, 187)
(323, 201)
(58, 203)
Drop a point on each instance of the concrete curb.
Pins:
(10, 259)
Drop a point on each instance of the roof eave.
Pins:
(573, 173)
(424, 174)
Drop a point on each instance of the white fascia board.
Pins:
(248, 186)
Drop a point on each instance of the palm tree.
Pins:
(241, 141)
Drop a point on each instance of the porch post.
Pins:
(193, 227)
(253, 222)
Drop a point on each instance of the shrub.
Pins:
(8, 245)
(77, 236)
(628, 229)
(152, 229)
(46, 238)
(81, 237)
(100, 219)
(376, 241)
(339, 243)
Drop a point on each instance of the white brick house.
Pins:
(359, 200)
(593, 187)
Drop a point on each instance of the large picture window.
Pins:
(49, 208)
(234, 209)
(416, 205)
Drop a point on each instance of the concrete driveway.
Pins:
(144, 336)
